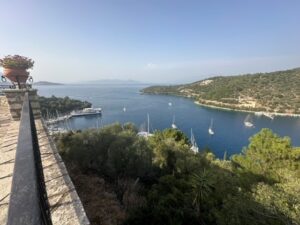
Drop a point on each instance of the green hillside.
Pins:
(274, 92)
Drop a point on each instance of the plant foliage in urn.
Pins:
(16, 62)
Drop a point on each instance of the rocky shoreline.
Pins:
(248, 111)
(226, 108)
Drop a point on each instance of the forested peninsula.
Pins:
(53, 105)
(275, 92)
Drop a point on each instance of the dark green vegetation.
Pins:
(125, 179)
(52, 105)
(275, 92)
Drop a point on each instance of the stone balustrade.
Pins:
(15, 99)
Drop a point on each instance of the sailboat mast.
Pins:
(47, 114)
(148, 123)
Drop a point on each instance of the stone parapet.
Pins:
(65, 206)
(15, 99)
(3, 102)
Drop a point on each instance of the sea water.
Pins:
(230, 133)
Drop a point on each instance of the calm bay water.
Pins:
(230, 133)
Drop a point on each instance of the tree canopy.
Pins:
(275, 92)
(52, 105)
(159, 180)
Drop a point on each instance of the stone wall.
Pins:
(15, 99)
(3, 102)
(65, 205)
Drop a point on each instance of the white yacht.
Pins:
(173, 123)
(146, 133)
(269, 115)
(194, 146)
(258, 113)
(86, 112)
(210, 129)
(247, 122)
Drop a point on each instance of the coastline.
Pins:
(247, 111)
(225, 108)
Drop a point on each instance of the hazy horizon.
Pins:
(123, 81)
(151, 41)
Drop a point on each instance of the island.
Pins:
(273, 93)
(39, 83)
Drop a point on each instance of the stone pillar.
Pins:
(15, 99)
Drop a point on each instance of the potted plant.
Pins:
(15, 68)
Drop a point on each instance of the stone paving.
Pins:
(65, 205)
(8, 143)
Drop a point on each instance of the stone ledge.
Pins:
(8, 143)
(65, 205)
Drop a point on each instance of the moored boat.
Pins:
(258, 113)
(269, 115)
(210, 130)
(194, 146)
(147, 133)
(173, 123)
(247, 122)
(86, 112)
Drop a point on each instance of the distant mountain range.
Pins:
(46, 83)
(277, 92)
(104, 81)
(111, 81)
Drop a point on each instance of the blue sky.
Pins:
(166, 41)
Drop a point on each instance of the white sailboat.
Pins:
(170, 103)
(146, 133)
(124, 109)
(268, 115)
(247, 122)
(194, 146)
(210, 129)
(173, 123)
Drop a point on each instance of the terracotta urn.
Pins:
(16, 75)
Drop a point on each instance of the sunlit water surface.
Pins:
(230, 133)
